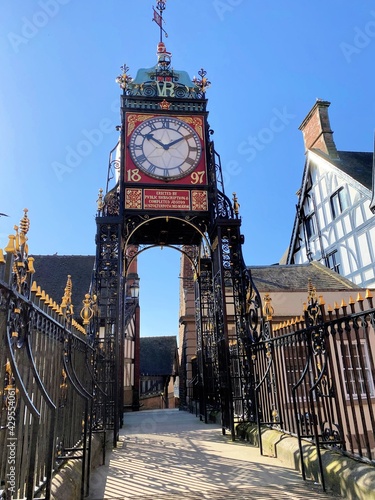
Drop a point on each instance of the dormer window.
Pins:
(339, 202)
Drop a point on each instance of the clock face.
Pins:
(165, 148)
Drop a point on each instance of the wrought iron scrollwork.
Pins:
(252, 309)
(181, 92)
(9, 384)
(63, 397)
(149, 90)
(112, 202)
(318, 341)
(313, 314)
(224, 206)
(18, 323)
(323, 385)
(332, 435)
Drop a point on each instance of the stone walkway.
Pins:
(171, 454)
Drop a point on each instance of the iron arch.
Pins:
(167, 218)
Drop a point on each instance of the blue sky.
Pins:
(266, 61)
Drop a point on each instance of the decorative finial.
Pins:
(18, 251)
(268, 310)
(311, 290)
(25, 222)
(100, 201)
(158, 17)
(203, 84)
(10, 248)
(66, 302)
(312, 308)
(124, 79)
(87, 311)
(24, 227)
(236, 205)
(161, 4)
(30, 261)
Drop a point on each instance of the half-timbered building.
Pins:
(334, 223)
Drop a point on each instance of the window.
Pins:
(353, 374)
(310, 226)
(332, 262)
(339, 202)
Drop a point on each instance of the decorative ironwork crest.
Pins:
(202, 83)
(124, 80)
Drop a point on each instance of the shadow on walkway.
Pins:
(170, 454)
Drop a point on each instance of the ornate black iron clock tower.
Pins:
(169, 192)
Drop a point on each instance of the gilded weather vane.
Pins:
(158, 17)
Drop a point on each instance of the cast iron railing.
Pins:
(314, 378)
(46, 383)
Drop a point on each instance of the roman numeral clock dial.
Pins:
(165, 148)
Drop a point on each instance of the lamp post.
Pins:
(134, 294)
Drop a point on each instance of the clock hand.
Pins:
(174, 142)
(150, 137)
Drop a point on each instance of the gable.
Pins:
(158, 355)
(352, 169)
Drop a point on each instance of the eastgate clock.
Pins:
(165, 148)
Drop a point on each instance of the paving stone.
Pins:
(170, 455)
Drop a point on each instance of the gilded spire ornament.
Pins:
(25, 226)
(124, 80)
(236, 205)
(87, 311)
(268, 310)
(66, 301)
(100, 201)
(17, 250)
(202, 83)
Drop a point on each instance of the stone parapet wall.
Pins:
(349, 478)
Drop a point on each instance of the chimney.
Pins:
(316, 129)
